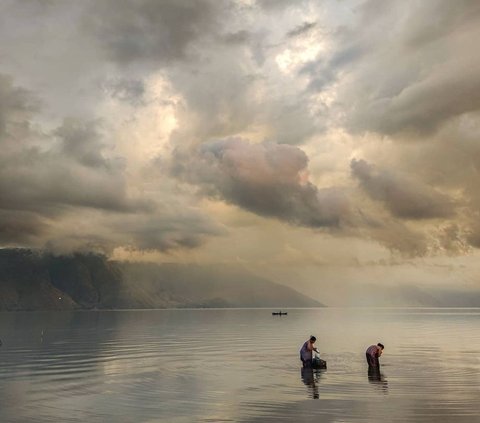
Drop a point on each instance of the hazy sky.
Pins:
(320, 143)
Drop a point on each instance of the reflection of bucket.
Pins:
(318, 363)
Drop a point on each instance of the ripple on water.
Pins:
(240, 365)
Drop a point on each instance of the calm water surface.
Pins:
(239, 365)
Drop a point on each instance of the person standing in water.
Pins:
(373, 353)
(306, 351)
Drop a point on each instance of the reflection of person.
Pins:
(373, 353)
(306, 351)
(377, 379)
(310, 379)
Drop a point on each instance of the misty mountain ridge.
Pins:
(409, 295)
(31, 280)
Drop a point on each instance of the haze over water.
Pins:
(238, 365)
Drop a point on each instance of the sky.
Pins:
(332, 146)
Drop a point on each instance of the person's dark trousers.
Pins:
(307, 364)
(372, 361)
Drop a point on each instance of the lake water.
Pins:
(239, 365)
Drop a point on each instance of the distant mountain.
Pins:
(431, 296)
(32, 280)
(406, 294)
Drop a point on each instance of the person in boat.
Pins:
(373, 353)
(306, 351)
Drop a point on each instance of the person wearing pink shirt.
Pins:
(306, 351)
(373, 353)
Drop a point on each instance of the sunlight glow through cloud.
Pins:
(211, 131)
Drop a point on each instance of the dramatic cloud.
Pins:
(21, 228)
(402, 68)
(49, 180)
(67, 168)
(268, 179)
(403, 196)
(154, 125)
(301, 29)
(151, 30)
(15, 108)
(394, 235)
(165, 229)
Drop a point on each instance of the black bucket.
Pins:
(318, 363)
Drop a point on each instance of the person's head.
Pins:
(380, 348)
(312, 339)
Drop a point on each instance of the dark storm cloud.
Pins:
(396, 236)
(239, 37)
(268, 179)
(82, 142)
(443, 85)
(205, 60)
(219, 99)
(424, 105)
(405, 68)
(37, 175)
(165, 230)
(450, 17)
(39, 190)
(16, 105)
(276, 5)
(301, 29)
(51, 180)
(21, 227)
(410, 74)
(403, 196)
(158, 31)
(437, 179)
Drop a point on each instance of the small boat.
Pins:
(279, 313)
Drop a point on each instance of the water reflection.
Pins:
(311, 378)
(377, 379)
(179, 365)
